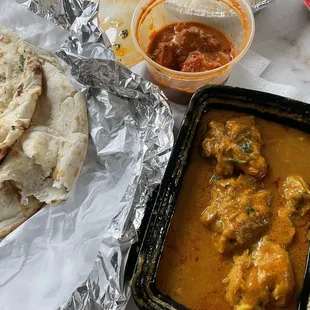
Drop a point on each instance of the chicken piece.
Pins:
(262, 277)
(239, 148)
(211, 145)
(238, 212)
(296, 194)
(196, 62)
(165, 54)
(283, 223)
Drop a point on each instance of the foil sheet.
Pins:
(257, 5)
(115, 96)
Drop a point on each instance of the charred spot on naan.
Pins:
(57, 174)
(37, 70)
(6, 148)
(77, 119)
(22, 125)
(55, 202)
(20, 89)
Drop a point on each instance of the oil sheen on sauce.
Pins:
(191, 270)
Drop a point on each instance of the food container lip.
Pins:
(191, 75)
(131, 59)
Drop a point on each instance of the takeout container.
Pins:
(267, 106)
(233, 17)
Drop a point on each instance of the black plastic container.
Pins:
(267, 106)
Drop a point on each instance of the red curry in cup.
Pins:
(190, 47)
(189, 44)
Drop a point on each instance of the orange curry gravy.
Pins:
(191, 270)
(190, 47)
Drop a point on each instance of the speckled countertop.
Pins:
(283, 36)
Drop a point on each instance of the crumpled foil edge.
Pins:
(260, 5)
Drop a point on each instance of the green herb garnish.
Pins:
(246, 147)
(235, 160)
(124, 34)
(13, 127)
(215, 178)
(250, 210)
(116, 46)
(21, 62)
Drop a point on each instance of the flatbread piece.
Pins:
(45, 162)
(20, 87)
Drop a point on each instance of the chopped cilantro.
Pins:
(250, 210)
(215, 178)
(13, 127)
(22, 63)
(245, 147)
(124, 34)
(116, 46)
(234, 160)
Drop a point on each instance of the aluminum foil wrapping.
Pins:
(257, 5)
(119, 103)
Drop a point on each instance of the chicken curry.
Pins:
(239, 235)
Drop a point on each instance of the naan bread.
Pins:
(46, 161)
(12, 212)
(44, 164)
(20, 88)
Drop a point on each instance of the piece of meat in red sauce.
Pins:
(165, 54)
(190, 47)
(194, 39)
(196, 62)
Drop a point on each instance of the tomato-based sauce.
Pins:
(190, 47)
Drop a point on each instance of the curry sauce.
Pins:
(192, 269)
